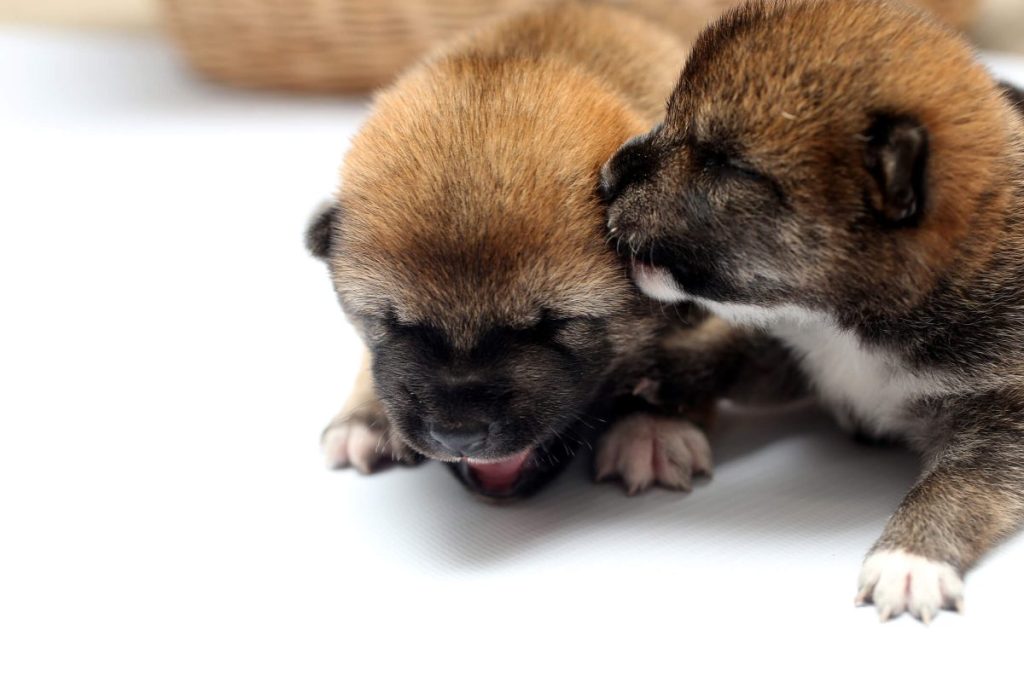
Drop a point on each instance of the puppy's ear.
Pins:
(897, 158)
(1014, 94)
(320, 231)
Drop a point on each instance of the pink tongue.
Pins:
(499, 475)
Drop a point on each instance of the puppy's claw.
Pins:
(605, 472)
(644, 450)
(958, 605)
(637, 488)
(884, 614)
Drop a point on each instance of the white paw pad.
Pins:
(897, 581)
(354, 443)
(644, 450)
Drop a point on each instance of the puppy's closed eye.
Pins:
(541, 332)
(721, 158)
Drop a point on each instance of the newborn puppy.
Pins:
(467, 247)
(847, 181)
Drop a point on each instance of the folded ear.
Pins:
(1014, 94)
(897, 158)
(320, 231)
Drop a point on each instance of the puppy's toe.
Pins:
(896, 581)
(643, 450)
(364, 446)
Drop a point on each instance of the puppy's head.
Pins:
(467, 247)
(822, 155)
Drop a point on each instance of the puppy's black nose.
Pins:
(467, 440)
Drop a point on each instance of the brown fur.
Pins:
(796, 105)
(766, 193)
(580, 80)
(469, 201)
(504, 177)
(928, 73)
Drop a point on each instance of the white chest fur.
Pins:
(866, 388)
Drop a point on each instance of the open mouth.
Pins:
(500, 477)
(522, 473)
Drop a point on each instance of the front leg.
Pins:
(360, 435)
(694, 367)
(643, 450)
(971, 497)
(717, 360)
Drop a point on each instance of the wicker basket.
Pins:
(349, 45)
(324, 45)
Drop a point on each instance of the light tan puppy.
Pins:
(466, 246)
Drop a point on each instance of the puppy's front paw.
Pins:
(897, 581)
(362, 444)
(644, 450)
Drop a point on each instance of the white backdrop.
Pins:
(169, 356)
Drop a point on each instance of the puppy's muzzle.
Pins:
(634, 162)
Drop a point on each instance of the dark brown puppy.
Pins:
(846, 177)
(467, 247)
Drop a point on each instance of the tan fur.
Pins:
(469, 197)
(931, 74)
(506, 180)
(599, 86)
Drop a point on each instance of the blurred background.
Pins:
(346, 45)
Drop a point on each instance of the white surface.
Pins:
(169, 356)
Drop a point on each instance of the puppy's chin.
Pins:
(657, 282)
